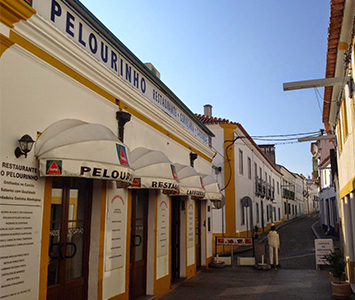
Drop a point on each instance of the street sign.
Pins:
(323, 247)
(234, 241)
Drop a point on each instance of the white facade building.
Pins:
(245, 172)
(106, 205)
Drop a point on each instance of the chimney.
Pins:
(153, 69)
(269, 151)
(207, 110)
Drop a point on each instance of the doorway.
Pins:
(138, 257)
(262, 215)
(69, 241)
(175, 240)
(198, 234)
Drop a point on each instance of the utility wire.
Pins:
(282, 135)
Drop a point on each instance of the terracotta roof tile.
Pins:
(335, 22)
(208, 120)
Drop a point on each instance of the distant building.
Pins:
(244, 172)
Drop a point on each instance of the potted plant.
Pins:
(340, 288)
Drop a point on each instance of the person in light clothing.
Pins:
(274, 246)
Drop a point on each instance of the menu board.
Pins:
(163, 228)
(116, 233)
(21, 196)
(323, 247)
(190, 224)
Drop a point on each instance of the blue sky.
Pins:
(234, 55)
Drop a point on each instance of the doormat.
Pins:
(208, 270)
(189, 284)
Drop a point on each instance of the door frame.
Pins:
(175, 260)
(87, 232)
(198, 231)
(135, 193)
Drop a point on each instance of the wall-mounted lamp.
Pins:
(26, 144)
(122, 117)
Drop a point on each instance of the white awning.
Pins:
(153, 170)
(190, 182)
(74, 148)
(213, 191)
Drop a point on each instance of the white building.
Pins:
(328, 207)
(107, 204)
(288, 183)
(245, 173)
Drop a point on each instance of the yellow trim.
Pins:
(348, 188)
(14, 37)
(344, 120)
(124, 106)
(5, 43)
(162, 286)
(102, 241)
(128, 243)
(13, 11)
(343, 46)
(43, 274)
(190, 271)
(59, 65)
(230, 205)
(339, 135)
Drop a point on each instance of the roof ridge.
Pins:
(213, 120)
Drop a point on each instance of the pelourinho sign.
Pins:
(75, 28)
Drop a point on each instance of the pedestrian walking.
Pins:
(274, 246)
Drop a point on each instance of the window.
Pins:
(255, 170)
(344, 117)
(249, 168)
(279, 214)
(339, 136)
(243, 213)
(240, 162)
(261, 173)
(278, 188)
(257, 213)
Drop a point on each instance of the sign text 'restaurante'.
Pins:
(83, 35)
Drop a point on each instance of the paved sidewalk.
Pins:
(247, 283)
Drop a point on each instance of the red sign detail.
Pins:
(123, 157)
(53, 169)
(136, 183)
(202, 183)
(117, 197)
(174, 172)
(163, 203)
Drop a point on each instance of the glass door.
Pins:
(69, 238)
(138, 257)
